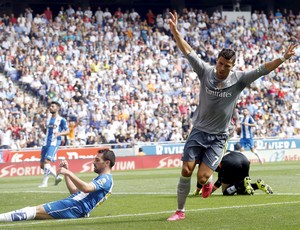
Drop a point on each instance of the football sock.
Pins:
(27, 213)
(199, 186)
(183, 190)
(51, 170)
(47, 171)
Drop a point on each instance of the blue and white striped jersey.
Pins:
(88, 201)
(55, 125)
(246, 131)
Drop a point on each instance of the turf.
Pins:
(144, 199)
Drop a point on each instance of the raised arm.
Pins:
(74, 183)
(272, 65)
(181, 43)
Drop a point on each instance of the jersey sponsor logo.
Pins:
(218, 93)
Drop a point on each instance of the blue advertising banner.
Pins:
(177, 148)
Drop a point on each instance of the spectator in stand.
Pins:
(62, 59)
(6, 137)
(71, 135)
(70, 11)
(150, 18)
(48, 14)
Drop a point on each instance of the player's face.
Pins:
(246, 112)
(223, 68)
(53, 108)
(99, 163)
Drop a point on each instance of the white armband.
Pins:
(282, 59)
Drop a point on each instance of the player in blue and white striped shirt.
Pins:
(56, 127)
(247, 123)
(85, 196)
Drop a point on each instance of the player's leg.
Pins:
(252, 148)
(243, 144)
(211, 159)
(41, 213)
(42, 165)
(204, 177)
(190, 153)
(229, 189)
(260, 184)
(27, 213)
(183, 189)
(248, 187)
(48, 169)
(198, 190)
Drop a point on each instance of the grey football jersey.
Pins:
(218, 98)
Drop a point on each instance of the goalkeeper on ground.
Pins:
(233, 175)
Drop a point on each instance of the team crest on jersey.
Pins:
(101, 181)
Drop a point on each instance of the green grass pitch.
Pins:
(144, 199)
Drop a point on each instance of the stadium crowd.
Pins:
(120, 79)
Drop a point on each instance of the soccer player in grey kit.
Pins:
(219, 91)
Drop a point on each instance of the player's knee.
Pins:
(186, 172)
(202, 178)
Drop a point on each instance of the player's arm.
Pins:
(250, 122)
(181, 43)
(63, 133)
(65, 130)
(73, 182)
(272, 65)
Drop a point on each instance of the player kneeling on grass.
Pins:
(85, 196)
(233, 175)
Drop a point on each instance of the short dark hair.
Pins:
(228, 54)
(108, 155)
(237, 146)
(55, 102)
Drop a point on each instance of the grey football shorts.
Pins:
(204, 147)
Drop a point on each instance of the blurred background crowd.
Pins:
(121, 80)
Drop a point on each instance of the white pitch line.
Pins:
(140, 193)
(23, 223)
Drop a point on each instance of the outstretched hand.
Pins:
(173, 22)
(290, 51)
